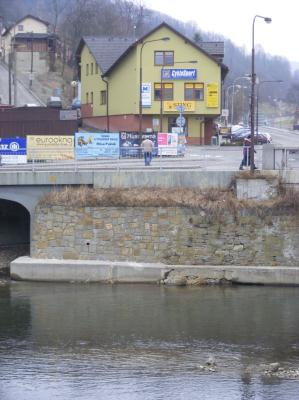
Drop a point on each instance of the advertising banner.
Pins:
(173, 106)
(93, 145)
(146, 97)
(179, 73)
(212, 95)
(42, 147)
(13, 150)
(168, 144)
(130, 143)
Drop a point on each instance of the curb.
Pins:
(54, 270)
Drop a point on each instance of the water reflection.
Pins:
(145, 342)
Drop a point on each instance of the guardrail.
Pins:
(280, 157)
(194, 157)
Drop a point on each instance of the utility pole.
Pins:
(15, 83)
(9, 79)
(31, 66)
(1, 28)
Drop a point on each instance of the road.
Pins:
(283, 137)
(215, 158)
(23, 95)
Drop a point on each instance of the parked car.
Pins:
(76, 103)
(259, 138)
(54, 102)
(240, 135)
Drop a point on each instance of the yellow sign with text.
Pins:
(212, 95)
(172, 106)
(41, 147)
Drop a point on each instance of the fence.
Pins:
(280, 158)
(195, 157)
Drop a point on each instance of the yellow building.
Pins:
(27, 24)
(121, 82)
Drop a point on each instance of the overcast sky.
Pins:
(233, 19)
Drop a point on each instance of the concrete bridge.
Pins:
(21, 191)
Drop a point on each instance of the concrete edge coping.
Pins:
(56, 270)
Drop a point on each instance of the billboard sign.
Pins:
(168, 144)
(178, 74)
(44, 147)
(130, 143)
(13, 150)
(93, 145)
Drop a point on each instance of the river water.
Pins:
(131, 342)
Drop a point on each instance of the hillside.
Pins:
(74, 18)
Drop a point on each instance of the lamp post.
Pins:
(161, 89)
(252, 105)
(31, 64)
(257, 99)
(233, 95)
(140, 76)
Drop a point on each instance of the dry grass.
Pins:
(140, 197)
(214, 202)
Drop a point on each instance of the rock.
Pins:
(273, 367)
(175, 279)
(211, 361)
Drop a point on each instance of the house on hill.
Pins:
(146, 84)
(35, 47)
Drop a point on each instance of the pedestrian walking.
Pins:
(147, 147)
(246, 154)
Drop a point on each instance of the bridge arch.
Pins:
(14, 232)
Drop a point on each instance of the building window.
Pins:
(97, 69)
(20, 28)
(103, 97)
(167, 91)
(164, 57)
(91, 97)
(91, 69)
(87, 98)
(194, 91)
(87, 69)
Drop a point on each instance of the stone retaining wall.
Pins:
(168, 235)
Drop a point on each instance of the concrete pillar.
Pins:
(268, 157)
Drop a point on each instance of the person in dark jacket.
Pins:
(246, 154)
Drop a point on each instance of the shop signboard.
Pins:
(46, 147)
(172, 106)
(168, 144)
(94, 145)
(178, 74)
(212, 95)
(13, 150)
(146, 95)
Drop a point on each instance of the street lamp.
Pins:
(140, 76)
(161, 89)
(233, 95)
(257, 99)
(268, 21)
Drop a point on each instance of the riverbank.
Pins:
(54, 270)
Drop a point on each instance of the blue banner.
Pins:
(179, 73)
(96, 145)
(13, 150)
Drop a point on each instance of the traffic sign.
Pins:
(180, 108)
(180, 121)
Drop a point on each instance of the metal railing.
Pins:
(131, 158)
(286, 158)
